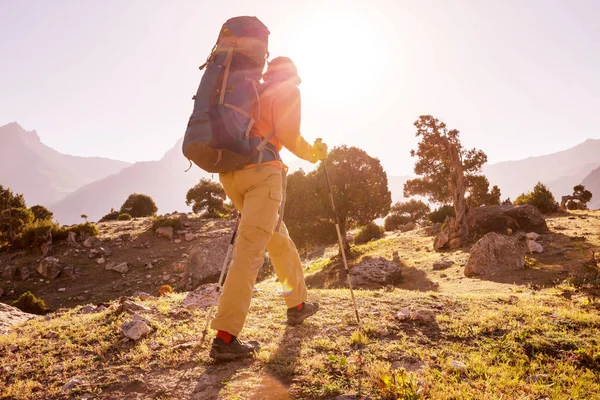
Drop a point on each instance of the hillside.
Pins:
(41, 173)
(560, 171)
(592, 183)
(530, 333)
(163, 180)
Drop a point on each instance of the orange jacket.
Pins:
(280, 112)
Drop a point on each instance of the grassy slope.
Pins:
(524, 340)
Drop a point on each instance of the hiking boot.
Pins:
(220, 351)
(295, 316)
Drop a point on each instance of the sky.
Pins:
(115, 78)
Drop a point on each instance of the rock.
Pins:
(525, 218)
(442, 264)
(189, 237)
(455, 243)
(177, 241)
(100, 261)
(49, 267)
(534, 247)
(106, 252)
(9, 273)
(10, 316)
(166, 277)
(375, 273)
(135, 329)
(120, 268)
(408, 227)
(133, 307)
(142, 295)
(495, 253)
(72, 240)
(67, 272)
(165, 232)
(93, 253)
(423, 316)
(88, 309)
(457, 365)
(62, 289)
(441, 240)
(206, 260)
(203, 297)
(92, 241)
(69, 386)
(179, 267)
(403, 315)
(408, 363)
(532, 236)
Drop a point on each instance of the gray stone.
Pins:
(72, 240)
(455, 243)
(441, 240)
(423, 316)
(408, 227)
(375, 273)
(206, 260)
(135, 329)
(120, 268)
(457, 365)
(534, 247)
(404, 314)
(67, 272)
(496, 253)
(10, 316)
(533, 236)
(93, 253)
(100, 261)
(133, 307)
(442, 264)
(92, 241)
(203, 297)
(189, 237)
(165, 232)
(69, 386)
(49, 267)
(105, 251)
(142, 295)
(499, 219)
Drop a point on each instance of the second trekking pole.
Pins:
(340, 240)
(219, 288)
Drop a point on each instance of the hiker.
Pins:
(258, 193)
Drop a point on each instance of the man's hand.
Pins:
(319, 150)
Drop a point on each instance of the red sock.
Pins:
(300, 306)
(224, 336)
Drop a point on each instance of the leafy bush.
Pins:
(28, 303)
(86, 227)
(208, 197)
(368, 232)
(541, 197)
(41, 213)
(439, 215)
(163, 220)
(124, 217)
(34, 234)
(394, 221)
(139, 205)
(113, 215)
(15, 218)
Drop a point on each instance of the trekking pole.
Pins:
(223, 269)
(341, 242)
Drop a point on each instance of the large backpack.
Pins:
(217, 138)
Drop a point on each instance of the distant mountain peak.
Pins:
(13, 132)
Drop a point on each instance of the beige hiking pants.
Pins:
(256, 193)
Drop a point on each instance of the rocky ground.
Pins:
(428, 331)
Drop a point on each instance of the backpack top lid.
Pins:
(247, 35)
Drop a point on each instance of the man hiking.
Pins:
(257, 192)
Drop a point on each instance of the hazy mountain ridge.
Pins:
(44, 174)
(559, 171)
(592, 183)
(163, 180)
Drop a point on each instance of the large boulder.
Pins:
(205, 261)
(500, 219)
(375, 273)
(495, 253)
(11, 316)
(49, 267)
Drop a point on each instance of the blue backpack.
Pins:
(217, 138)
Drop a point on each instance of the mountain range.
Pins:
(71, 185)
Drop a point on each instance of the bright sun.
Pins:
(338, 52)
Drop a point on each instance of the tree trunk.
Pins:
(458, 227)
(344, 240)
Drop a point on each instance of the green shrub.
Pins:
(139, 205)
(368, 232)
(41, 213)
(124, 217)
(15, 218)
(34, 234)
(394, 221)
(439, 215)
(86, 227)
(541, 197)
(163, 220)
(113, 215)
(28, 303)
